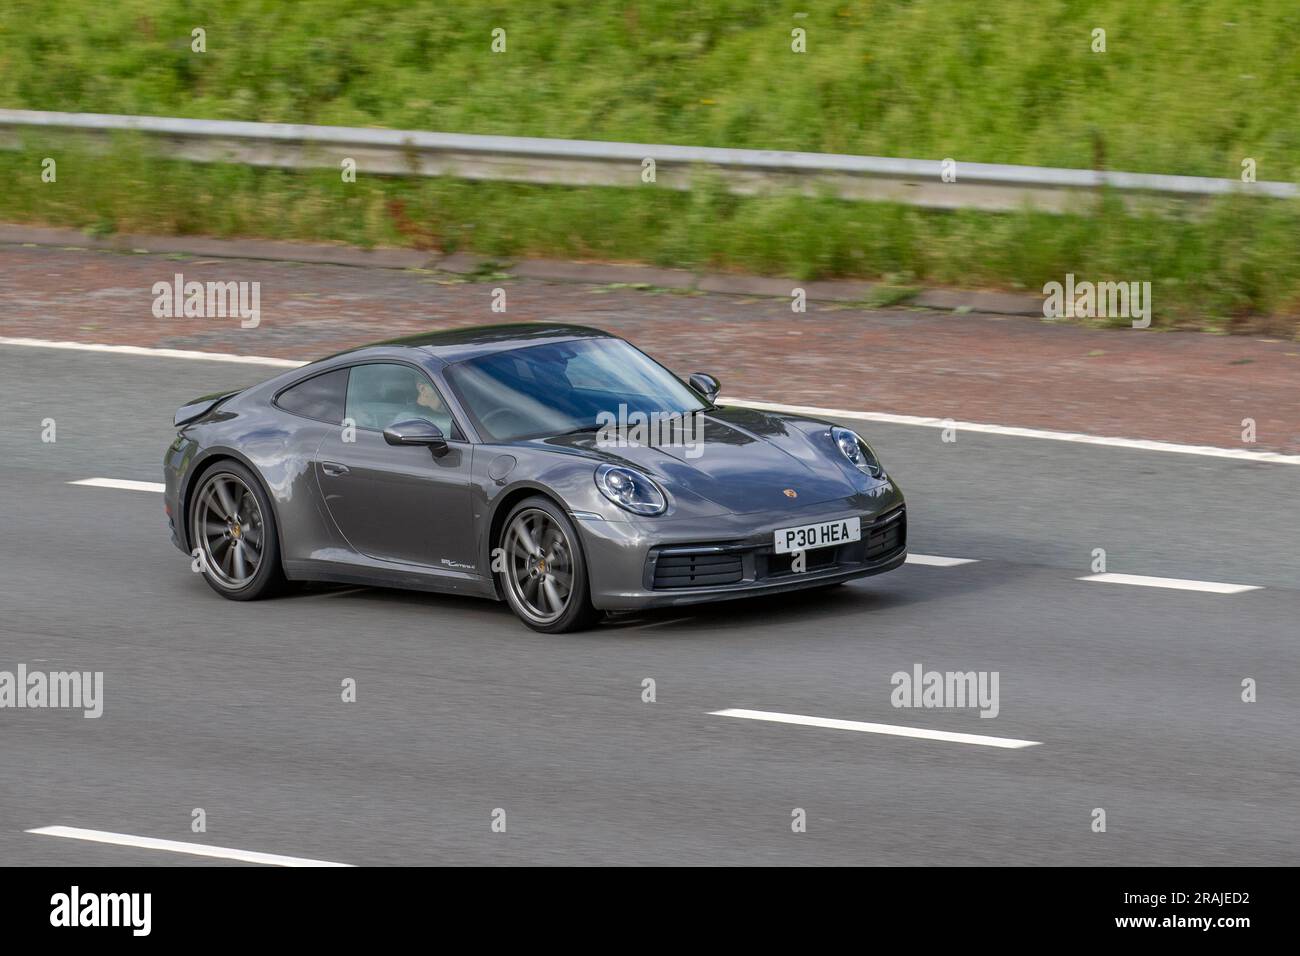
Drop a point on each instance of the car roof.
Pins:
(458, 345)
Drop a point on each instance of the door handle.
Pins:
(333, 468)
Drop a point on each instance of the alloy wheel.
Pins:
(228, 527)
(539, 565)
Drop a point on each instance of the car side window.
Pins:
(319, 397)
(381, 393)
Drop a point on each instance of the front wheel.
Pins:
(543, 571)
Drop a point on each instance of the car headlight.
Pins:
(630, 490)
(857, 451)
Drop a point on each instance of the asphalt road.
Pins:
(1132, 692)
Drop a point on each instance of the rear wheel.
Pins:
(544, 573)
(232, 526)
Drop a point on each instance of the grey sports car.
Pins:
(556, 467)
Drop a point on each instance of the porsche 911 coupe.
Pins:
(555, 467)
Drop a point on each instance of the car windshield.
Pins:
(562, 387)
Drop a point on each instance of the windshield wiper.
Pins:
(582, 429)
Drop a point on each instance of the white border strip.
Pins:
(893, 730)
(1135, 444)
(174, 846)
(1176, 584)
(125, 484)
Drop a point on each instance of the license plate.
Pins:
(824, 534)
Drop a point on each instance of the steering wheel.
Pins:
(500, 413)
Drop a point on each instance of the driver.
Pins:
(430, 399)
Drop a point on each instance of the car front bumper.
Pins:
(646, 563)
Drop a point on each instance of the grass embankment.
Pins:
(1189, 88)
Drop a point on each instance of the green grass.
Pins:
(1234, 266)
(1186, 86)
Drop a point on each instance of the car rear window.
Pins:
(320, 397)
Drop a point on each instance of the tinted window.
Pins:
(320, 397)
(379, 395)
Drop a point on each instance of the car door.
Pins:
(398, 502)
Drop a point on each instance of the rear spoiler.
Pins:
(199, 407)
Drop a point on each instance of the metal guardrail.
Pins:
(584, 162)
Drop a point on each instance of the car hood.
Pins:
(742, 460)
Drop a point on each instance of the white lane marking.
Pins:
(892, 730)
(1177, 584)
(174, 846)
(123, 483)
(938, 560)
(154, 353)
(1136, 444)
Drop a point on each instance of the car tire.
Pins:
(241, 562)
(543, 571)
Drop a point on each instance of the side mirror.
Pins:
(416, 431)
(706, 385)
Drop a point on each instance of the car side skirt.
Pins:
(468, 585)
